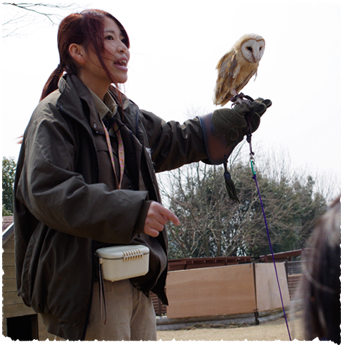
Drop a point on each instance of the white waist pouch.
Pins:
(123, 262)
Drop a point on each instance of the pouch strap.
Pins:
(102, 298)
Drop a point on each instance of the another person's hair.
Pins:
(321, 279)
(85, 28)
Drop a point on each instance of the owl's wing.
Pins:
(226, 68)
(246, 80)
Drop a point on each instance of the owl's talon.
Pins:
(237, 102)
(248, 98)
(237, 97)
(241, 98)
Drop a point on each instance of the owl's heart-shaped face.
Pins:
(253, 50)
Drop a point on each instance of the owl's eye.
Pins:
(260, 48)
(249, 48)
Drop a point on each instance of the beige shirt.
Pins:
(106, 107)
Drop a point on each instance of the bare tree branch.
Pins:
(212, 225)
(25, 14)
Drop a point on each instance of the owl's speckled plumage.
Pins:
(237, 66)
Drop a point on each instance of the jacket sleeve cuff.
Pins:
(216, 146)
(139, 227)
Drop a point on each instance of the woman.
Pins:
(86, 179)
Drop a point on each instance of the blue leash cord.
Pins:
(265, 222)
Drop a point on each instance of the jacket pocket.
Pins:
(29, 269)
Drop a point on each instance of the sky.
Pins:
(175, 46)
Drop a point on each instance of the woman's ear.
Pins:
(77, 52)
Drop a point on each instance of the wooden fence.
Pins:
(293, 269)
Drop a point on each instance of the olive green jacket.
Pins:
(66, 207)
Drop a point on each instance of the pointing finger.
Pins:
(170, 216)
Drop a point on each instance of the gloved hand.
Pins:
(231, 122)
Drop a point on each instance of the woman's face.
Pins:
(116, 57)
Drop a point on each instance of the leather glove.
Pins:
(232, 122)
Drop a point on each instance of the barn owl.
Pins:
(236, 68)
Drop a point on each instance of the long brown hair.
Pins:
(86, 28)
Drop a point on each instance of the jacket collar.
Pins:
(106, 107)
(73, 92)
